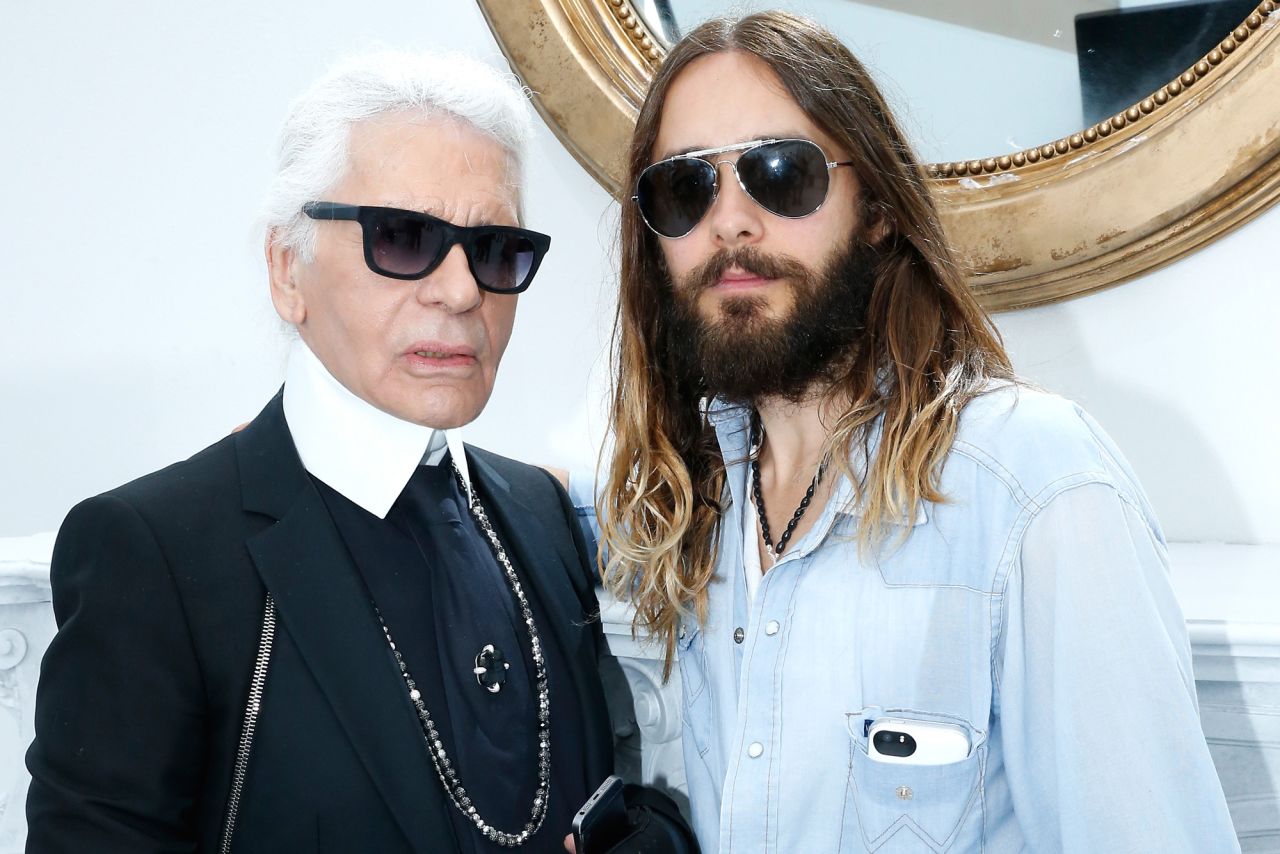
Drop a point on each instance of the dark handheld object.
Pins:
(650, 822)
(602, 822)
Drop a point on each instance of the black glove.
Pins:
(656, 825)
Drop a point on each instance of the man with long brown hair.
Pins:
(916, 604)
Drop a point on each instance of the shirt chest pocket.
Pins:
(901, 808)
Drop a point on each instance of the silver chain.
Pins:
(444, 767)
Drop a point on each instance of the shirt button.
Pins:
(738, 635)
(755, 749)
(771, 628)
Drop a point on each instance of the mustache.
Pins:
(747, 258)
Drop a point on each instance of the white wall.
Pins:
(135, 326)
(134, 321)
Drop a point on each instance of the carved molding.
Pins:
(26, 627)
(13, 648)
(633, 26)
(1135, 114)
(1193, 161)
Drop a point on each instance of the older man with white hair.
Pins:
(339, 629)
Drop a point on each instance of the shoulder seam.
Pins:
(984, 460)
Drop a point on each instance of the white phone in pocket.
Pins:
(907, 742)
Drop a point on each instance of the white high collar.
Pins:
(357, 449)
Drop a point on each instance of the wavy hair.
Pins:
(313, 148)
(926, 348)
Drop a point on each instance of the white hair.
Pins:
(313, 155)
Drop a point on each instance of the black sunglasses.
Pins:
(786, 177)
(410, 244)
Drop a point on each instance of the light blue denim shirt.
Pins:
(1032, 610)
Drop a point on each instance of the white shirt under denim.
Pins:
(1032, 609)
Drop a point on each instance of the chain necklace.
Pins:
(776, 551)
(439, 758)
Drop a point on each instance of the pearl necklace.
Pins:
(439, 758)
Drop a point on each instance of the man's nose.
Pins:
(451, 285)
(735, 219)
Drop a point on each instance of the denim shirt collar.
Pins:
(732, 423)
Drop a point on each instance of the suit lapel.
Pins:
(322, 603)
(546, 561)
(548, 557)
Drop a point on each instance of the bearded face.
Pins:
(736, 349)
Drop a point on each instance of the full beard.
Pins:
(743, 355)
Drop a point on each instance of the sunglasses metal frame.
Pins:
(743, 147)
(454, 235)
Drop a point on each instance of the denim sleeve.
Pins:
(1098, 720)
(582, 492)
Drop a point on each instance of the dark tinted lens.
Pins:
(502, 260)
(403, 244)
(674, 194)
(788, 178)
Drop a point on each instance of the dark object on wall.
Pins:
(1126, 54)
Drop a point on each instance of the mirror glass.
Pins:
(982, 78)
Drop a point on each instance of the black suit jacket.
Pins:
(159, 589)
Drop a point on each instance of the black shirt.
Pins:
(444, 597)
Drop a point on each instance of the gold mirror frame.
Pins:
(1185, 166)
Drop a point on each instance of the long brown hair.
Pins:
(926, 350)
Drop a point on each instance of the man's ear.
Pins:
(879, 227)
(282, 268)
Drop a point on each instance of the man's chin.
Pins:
(439, 409)
(743, 314)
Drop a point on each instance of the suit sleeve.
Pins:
(119, 750)
(1098, 719)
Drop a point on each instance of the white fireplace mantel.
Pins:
(1230, 596)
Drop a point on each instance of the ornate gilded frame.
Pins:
(1186, 165)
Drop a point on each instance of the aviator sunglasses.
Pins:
(409, 245)
(786, 177)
